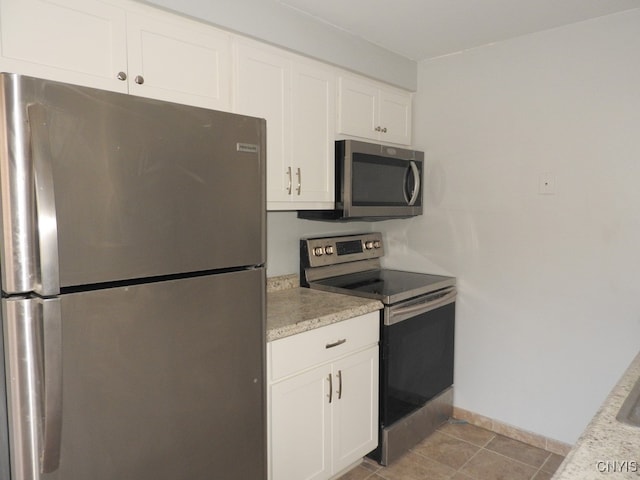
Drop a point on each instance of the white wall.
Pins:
(549, 306)
(280, 25)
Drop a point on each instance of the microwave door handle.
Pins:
(47, 227)
(416, 183)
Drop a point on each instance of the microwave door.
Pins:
(383, 187)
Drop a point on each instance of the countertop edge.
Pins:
(296, 310)
(607, 444)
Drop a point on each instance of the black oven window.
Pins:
(418, 362)
(380, 181)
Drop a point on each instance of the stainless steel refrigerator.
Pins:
(132, 256)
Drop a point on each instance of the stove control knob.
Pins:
(318, 251)
(368, 245)
(377, 244)
(328, 250)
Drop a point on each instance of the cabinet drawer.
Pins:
(299, 352)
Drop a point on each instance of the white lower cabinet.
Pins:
(323, 399)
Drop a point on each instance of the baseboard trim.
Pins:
(534, 439)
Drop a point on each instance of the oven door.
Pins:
(417, 351)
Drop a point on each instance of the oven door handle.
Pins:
(431, 302)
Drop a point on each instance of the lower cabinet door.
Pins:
(325, 419)
(300, 427)
(355, 409)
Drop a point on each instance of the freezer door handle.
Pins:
(34, 366)
(49, 281)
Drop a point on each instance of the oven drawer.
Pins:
(299, 352)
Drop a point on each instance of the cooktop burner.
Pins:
(388, 286)
(350, 264)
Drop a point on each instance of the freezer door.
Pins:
(160, 381)
(99, 186)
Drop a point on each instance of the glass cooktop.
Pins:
(388, 286)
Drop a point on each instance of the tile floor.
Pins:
(461, 451)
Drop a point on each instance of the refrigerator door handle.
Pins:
(34, 377)
(52, 405)
(49, 281)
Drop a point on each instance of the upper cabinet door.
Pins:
(395, 116)
(374, 111)
(297, 98)
(358, 108)
(74, 41)
(313, 135)
(178, 60)
(262, 88)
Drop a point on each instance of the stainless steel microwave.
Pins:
(374, 182)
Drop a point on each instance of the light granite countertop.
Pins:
(292, 310)
(607, 448)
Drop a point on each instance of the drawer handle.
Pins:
(335, 344)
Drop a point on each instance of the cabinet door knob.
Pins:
(139, 79)
(290, 181)
(299, 187)
(378, 128)
(384, 130)
(121, 76)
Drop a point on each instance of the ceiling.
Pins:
(421, 29)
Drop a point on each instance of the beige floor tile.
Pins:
(467, 432)
(415, 467)
(518, 450)
(358, 473)
(446, 449)
(542, 476)
(461, 476)
(487, 465)
(552, 463)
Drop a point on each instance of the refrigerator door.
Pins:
(160, 381)
(99, 187)
(4, 432)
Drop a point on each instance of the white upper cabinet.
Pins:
(261, 88)
(75, 41)
(129, 47)
(180, 60)
(313, 134)
(139, 50)
(297, 98)
(373, 111)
